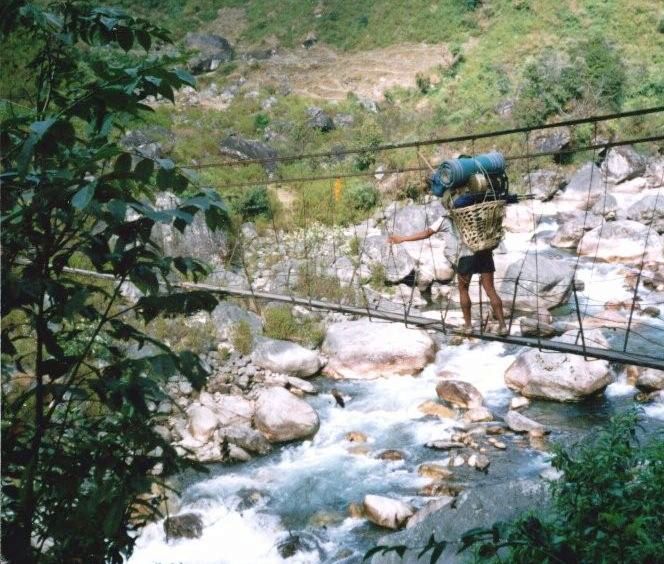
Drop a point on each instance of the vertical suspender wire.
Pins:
(643, 259)
(535, 227)
(585, 219)
(431, 251)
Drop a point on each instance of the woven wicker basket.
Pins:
(480, 225)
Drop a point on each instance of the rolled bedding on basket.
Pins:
(457, 172)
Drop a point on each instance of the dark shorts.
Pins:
(478, 263)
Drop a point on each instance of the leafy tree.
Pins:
(82, 468)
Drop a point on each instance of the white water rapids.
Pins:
(306, 487)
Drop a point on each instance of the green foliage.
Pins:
(316, 285)
(253, 203)
(280, 323)
(261, 121)
(603, 69)
(550, 82)
(242, 338)
(72, 195)
(354, 246)
(607, 507)
(377, 276)
(361, 198)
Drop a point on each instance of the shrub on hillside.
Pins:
(603, 70)
(363, 197)
(254, 203)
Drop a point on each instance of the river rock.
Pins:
(479, 461)
(650, 379)
(543, 183)
(478, 507)
(647, 210)
(185, 526)
(227, 315)
(560, 376)
(246, 438)
(430, 261)
(444, 445)
(356, 437)
(433, 408)
(518, 402)
(459, 393)
(367, 349)
(286, 357)
(202, 422)
(606, 207)
(387, 512)
(396, 263)
(391, 455)
(622, 242)
(519, 218)
(522, 424)
(429, 509)
(213, 50)
(478, 415)
(413, 218)
(584, 188)
(434, 471)
(623, 163)
(555, 283)
(282, 416)
(233, 410)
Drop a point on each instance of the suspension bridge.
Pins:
(636, 340)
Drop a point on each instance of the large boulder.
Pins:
(197, 241)
(286, 357)
(282, 416)
(572, 227)
(623, 163)
(554, 141)
(246, 438)
(647, 210)
(543, 282)
(522, 424)
(650, 380)
(232, 410)
(431, 263)
(488, 502)
(151, 142)
(226, 317)
(202, 422)
(411, 219)
(544, 183)
(584, 188)
(213, 50)
(366, 349)
(395, 261)
(459, 393)
(560, 376)
(519, 218)
(240, 148)
(185, 526)
(387, 512)
(622, 241)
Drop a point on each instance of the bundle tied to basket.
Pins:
(480, 225)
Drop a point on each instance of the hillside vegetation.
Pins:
(502, 63)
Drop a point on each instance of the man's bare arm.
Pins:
(418, 236)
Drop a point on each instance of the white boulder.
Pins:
(559, 376)
(370, 349)
(387, 512)
(286, 358)
(282, 416)
(622, 241)
(202, 422)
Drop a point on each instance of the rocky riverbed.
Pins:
(314, 453)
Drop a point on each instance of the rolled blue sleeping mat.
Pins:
(456, 172)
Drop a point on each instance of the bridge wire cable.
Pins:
(541, 154)
(434, 141)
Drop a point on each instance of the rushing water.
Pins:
(303, 490)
